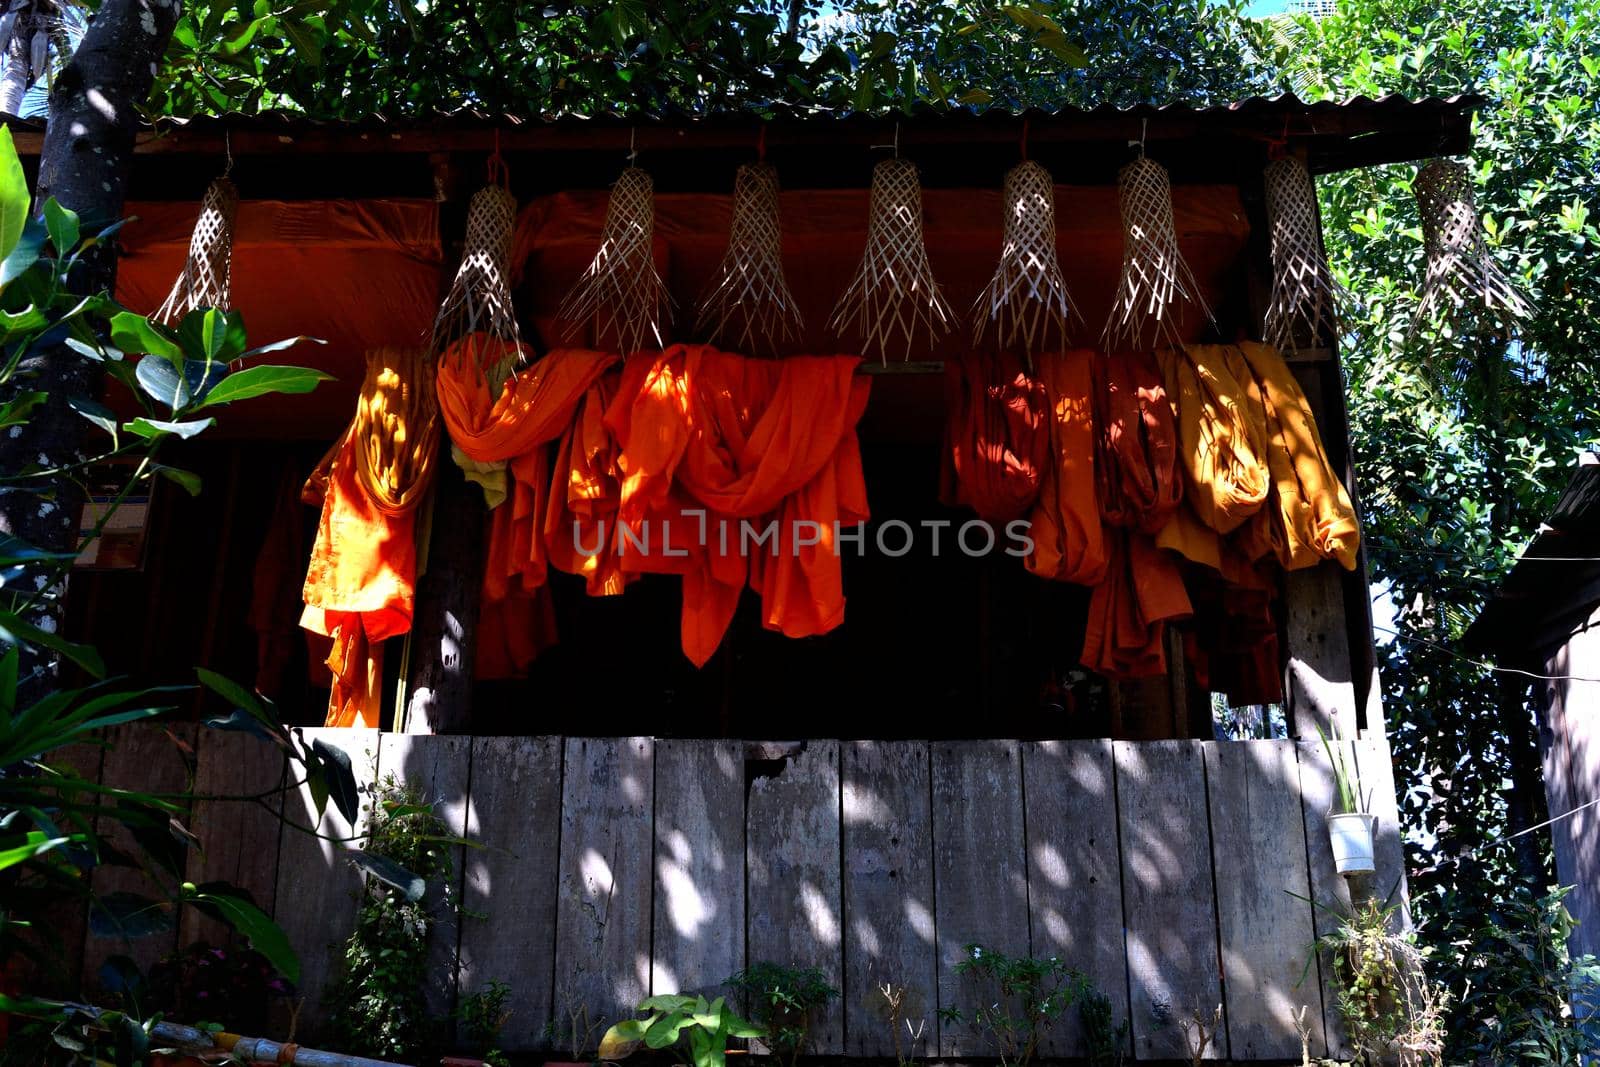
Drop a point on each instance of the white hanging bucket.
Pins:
(1351, 834)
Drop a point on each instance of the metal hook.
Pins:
(227, 148)
(633, 148)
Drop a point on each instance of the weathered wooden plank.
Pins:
(147, 758)
(514, 813)
(792, 855)
(318, 890)
(1320, 688)
(1168, 893)
(1258, 842)
(698, 939)
(1376, 770)
(1075, 872)
(888, 897)
(603, 901)
(1328, 888)
(1562, 791)
(238, 838)
(979, 869)
(438, 767)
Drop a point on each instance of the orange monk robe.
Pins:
(740, 439)
(586, 489)
(1312, 516)
(1068, 543)
(1137, 469)
(358, 587)
(1125, 634)
(534, 408)
(996, 442)
(1221, 437)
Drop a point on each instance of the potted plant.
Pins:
(1350, 823)
(703, 1027)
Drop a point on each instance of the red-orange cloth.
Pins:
(736, 438)
(1068, 544)
(581, 514)
(1125, 635)
(1137, 467)
(358, 587)
(535, 407)
(996, 441)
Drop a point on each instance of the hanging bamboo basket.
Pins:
(207, 275)
(1027, 299)
(1462, 276)
(1305, 297)
(749, 301)
(621, 292)
(1156, 284)
(478, 306)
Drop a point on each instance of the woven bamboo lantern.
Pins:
(207, 273)
(1155, 281)
(1304, 293)
(750, 298)
(621, 290)
(478, 304)
(1027, 298)
(893, 294)
(1461, 274)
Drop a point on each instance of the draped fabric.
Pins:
(515, 430)
(1136, 473)
(1221, 441)
(1068, 544)
(359, 584)
(581, 516)
(1313, 517)
(710, 439)
(996, 439)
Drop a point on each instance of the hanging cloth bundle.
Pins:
(709, 439)
(997, 442)
(1068, 542)
(621, 290)
(580, 522)
(359, 585)
(1461, 271)
(1155, 283)
(750, 291)
(1304, 293)
(893, 292)
(1027, 298)
(207, 273)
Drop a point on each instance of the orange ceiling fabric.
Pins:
(359, 274)
(709, 439)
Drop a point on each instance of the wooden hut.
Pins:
(1543, 620)
(934, 773)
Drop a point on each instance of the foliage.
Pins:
(1391, 1009)
(703, 1027)
(1346, 788)
(1018, 1000)
(205, 983)
(359, 57)
(784, 1000)
(376, 1003)
(895, 1011)
(1523, 983)
(1105, 1039)
(1463, 439)
(482, 1015)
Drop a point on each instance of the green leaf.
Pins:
(209, 335)
(262, 381)
(304, 38)
(25, 253)
(279, 346)
(13, 195)
(34, 844)
(265, 936)
(135, 333)
(151, 428)
(63, 226)
(340, 779)
(28, 320)
(188, 479)
(387, 870)
(128, 915)
(16, 410)
(95, 412)
(15, 630)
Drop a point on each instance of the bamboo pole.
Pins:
(193, 1041)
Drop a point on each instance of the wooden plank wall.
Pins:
(1177, 874)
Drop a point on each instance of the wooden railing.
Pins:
(1178, 875)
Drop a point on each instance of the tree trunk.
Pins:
(85, 162)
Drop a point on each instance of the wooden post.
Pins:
(442, 643)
